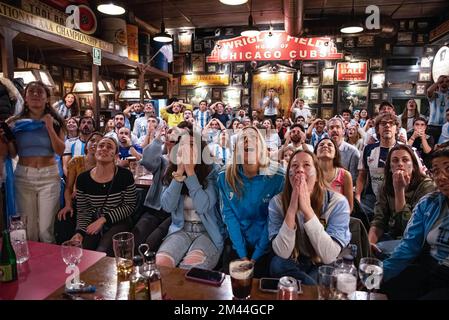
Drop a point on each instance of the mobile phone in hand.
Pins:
(211, 277)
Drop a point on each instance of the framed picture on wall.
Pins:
(237, 79)
(377, 80)
(374, 95)
(197, 62)
(425, 62)
(327, 95)
(175, 86)
(309, 95)
(178, 64)
(315, 81)
(352, 97)
(212, 67)
(328, 77)
(327, 113)
(421, 89)
(83, 103)
(305, 80)
(309, 68)
(208, 43)
(424, 76)
(375, 63)
(405, 37)
(86, 75)
(216, 94)
(76, 74)
(239, 67)
(197, 45)
(365, 41)
(385, 96)
(56, 71)
(184, 42)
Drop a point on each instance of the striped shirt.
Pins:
(74, 147)
(438, 105)
(91, 195)
(201, 117)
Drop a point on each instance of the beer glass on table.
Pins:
(123, 245)
(241, 272)
(71, 252)
(371, 272)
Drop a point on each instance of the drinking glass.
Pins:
(371, 272)
(326, 282)
(123, 245)
(71, 252)
(241, 272)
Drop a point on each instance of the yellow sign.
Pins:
(205, 80)
(52, 27)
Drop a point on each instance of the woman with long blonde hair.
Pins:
(308, 223)
(246, 187)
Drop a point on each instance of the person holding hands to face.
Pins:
(308, 224)
(404, 185)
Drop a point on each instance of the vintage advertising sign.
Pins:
(205, 80)
(352, 71)
(43, 10)
(52, 27)
(273, 45)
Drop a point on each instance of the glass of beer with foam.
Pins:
(241, 272)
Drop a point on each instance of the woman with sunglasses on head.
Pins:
(419, 266)
(246, 187)
(39, 137)
(106, 198)
(404, 185)
(308, 223)
(66, 220)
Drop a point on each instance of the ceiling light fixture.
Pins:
(353, 26)
(251, 30)
(111, 8)
(233, 2)
(162, 36)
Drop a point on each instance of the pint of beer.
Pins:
(241, 272)
(123, 245)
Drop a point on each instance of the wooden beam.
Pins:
(142, 85)
(6, 38)
(96, 94)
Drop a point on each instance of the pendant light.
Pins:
(233, 2)
(352, 26)
(162, 36)
(251, 30)
(112, 8)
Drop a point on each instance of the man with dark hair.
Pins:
(202, 115)
(438, 95)
(385, 107)
(270, 105)
(119, 122)
(140, 125)
(298, 110)
(422, 142)
(372, 162)
(296, 138)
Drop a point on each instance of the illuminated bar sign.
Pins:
(352, 71)
(205, 80)
(274, 45)
(52, 27)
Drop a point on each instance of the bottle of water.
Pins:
(346, 278)
(18, 235)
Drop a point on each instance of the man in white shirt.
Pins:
(270, 104)
(297, 109)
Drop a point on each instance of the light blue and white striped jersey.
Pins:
(438, 105)
(201, 117)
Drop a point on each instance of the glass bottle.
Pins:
(18, 235)
(346, 278)
(8, 265)
(138, 287)
(154, 276)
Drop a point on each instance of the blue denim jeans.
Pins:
(303, 269)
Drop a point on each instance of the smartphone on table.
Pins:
(271, 285)
(211, 277)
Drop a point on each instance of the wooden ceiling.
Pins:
(212, 13)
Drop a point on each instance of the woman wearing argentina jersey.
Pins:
(438, 95)
(106, 197)
(419, 266)
(308, 223)
(221, 151)
(246, 187)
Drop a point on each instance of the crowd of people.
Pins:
(277, 187)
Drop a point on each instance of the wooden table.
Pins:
(174, 286)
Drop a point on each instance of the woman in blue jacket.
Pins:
(196, 234)
(246, 187)
(419, 266)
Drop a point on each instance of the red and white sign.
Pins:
(278, 46)
(352, 71)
